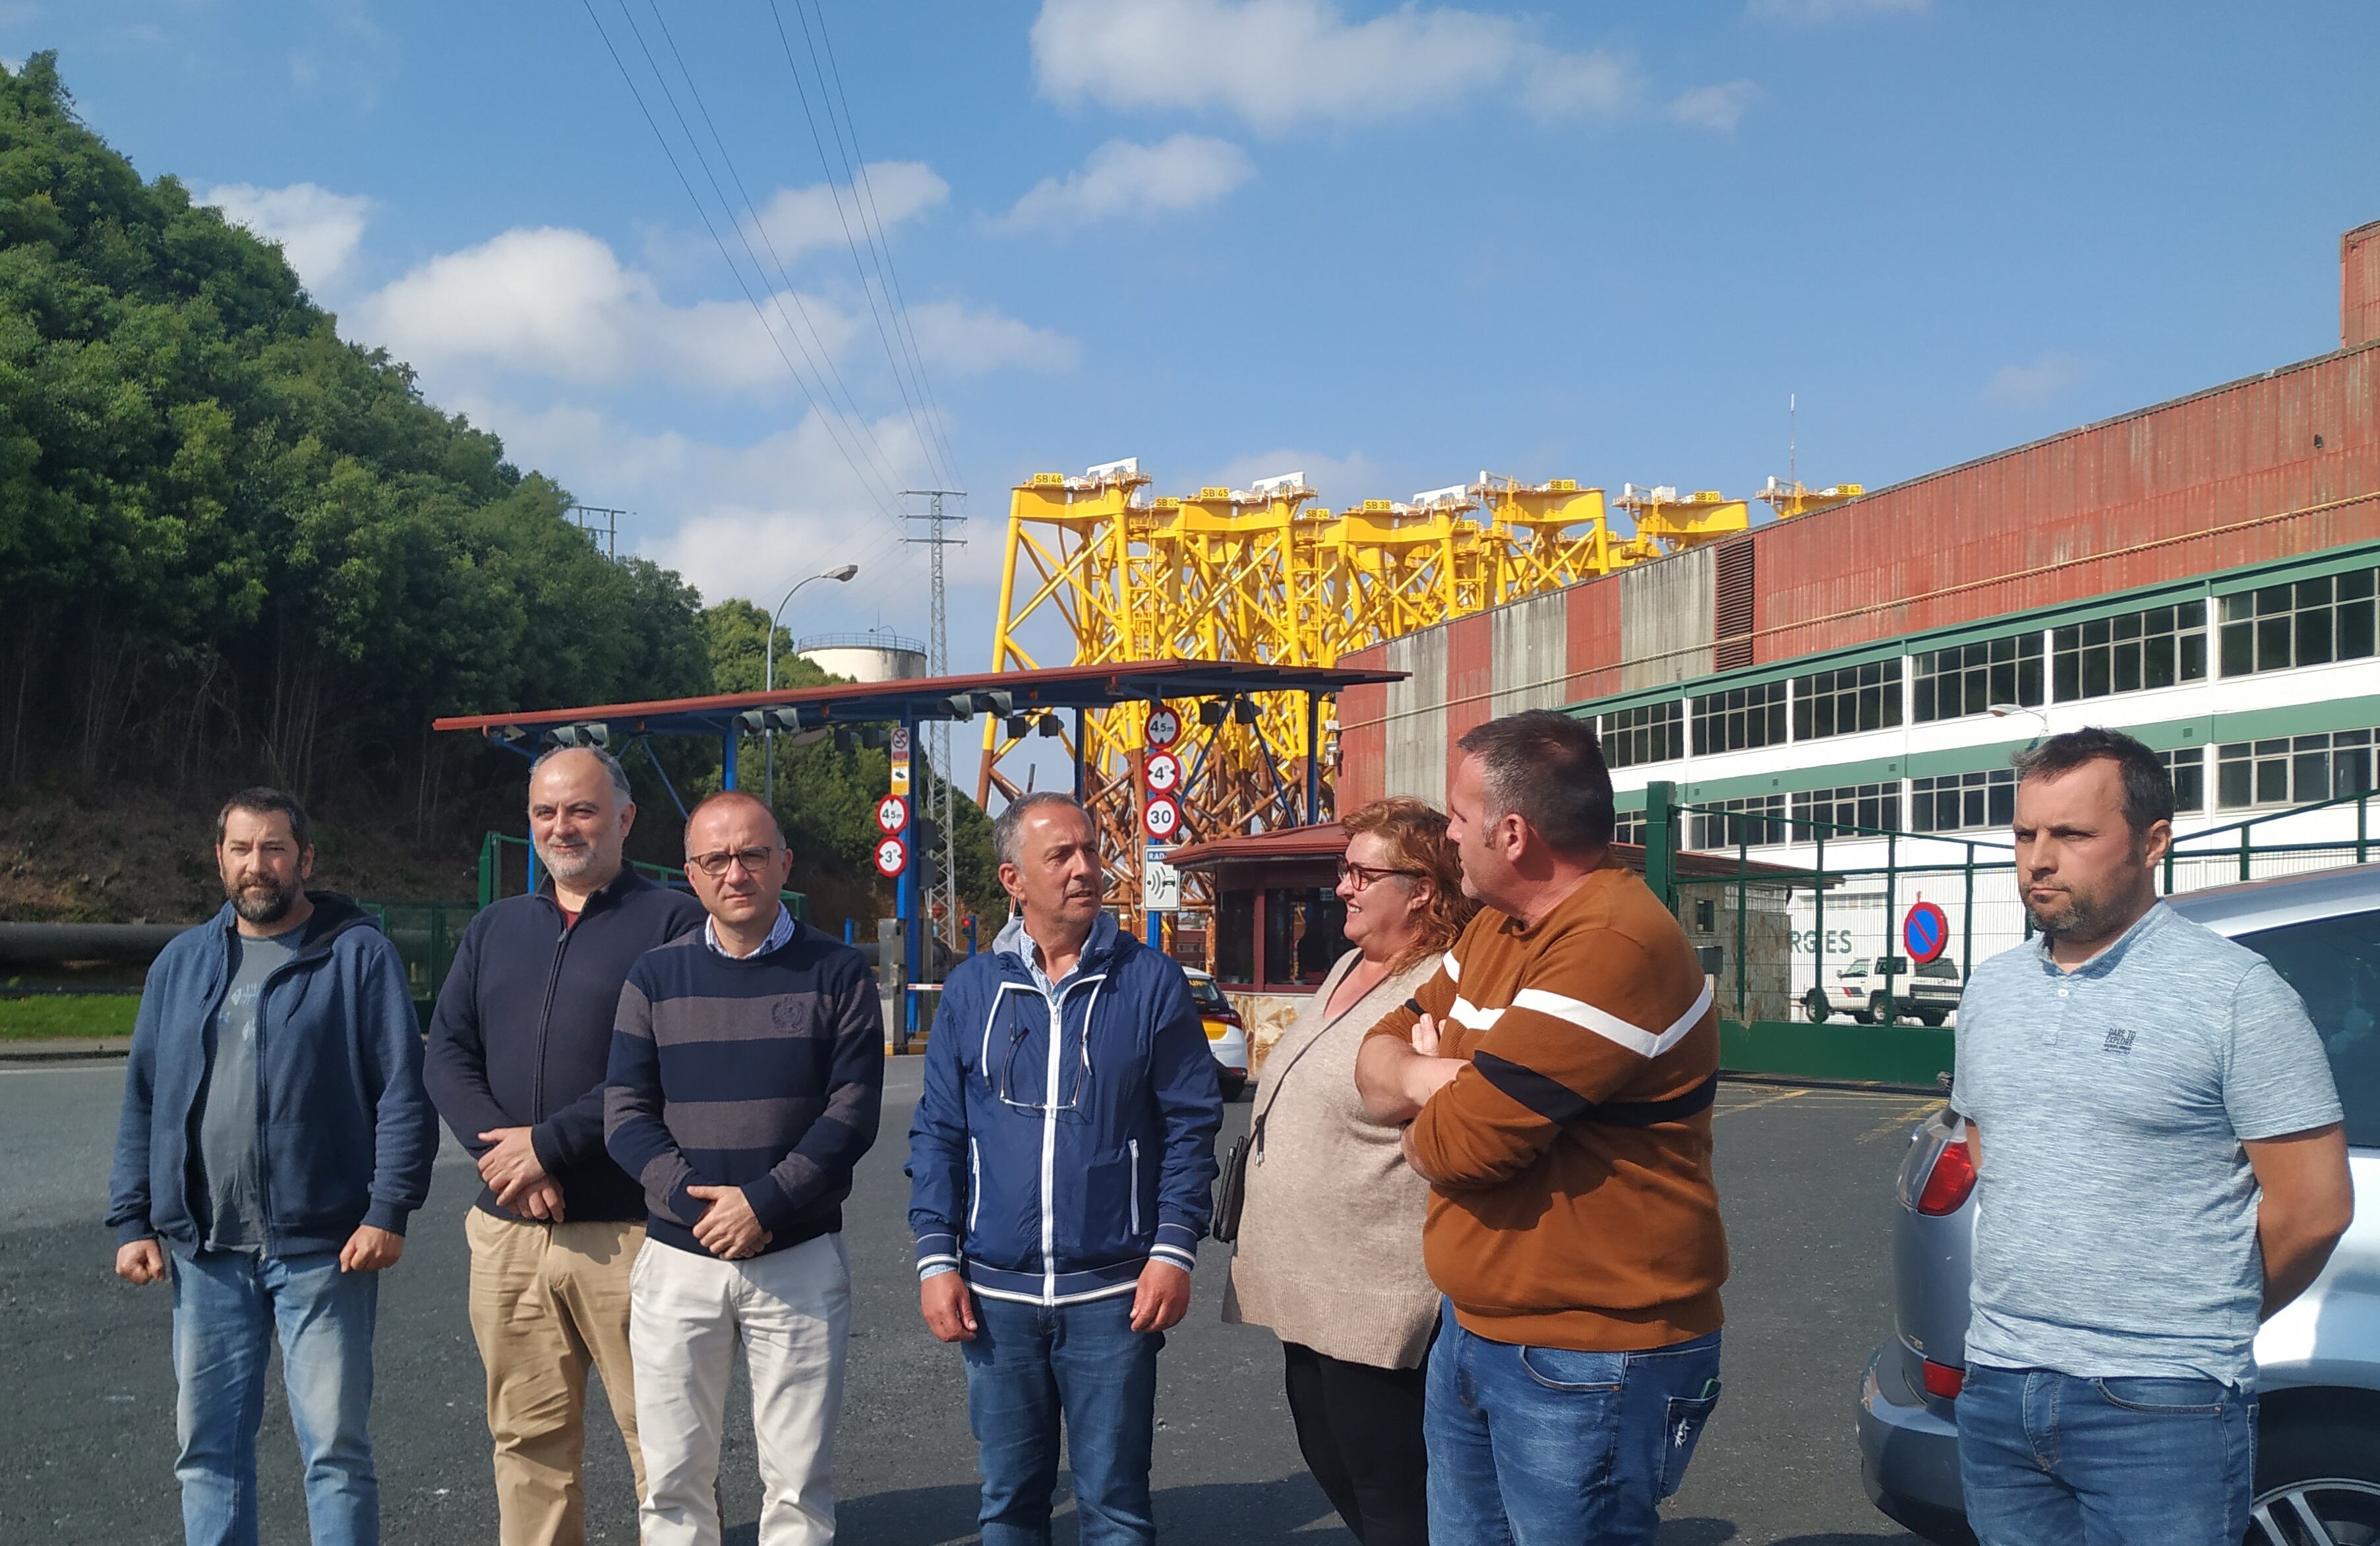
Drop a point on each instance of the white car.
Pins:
(1227, 1034)
(1928, 993)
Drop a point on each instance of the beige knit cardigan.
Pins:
(1330, 1246)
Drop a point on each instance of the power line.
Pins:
(855, 177)
(850, 402)
(876, 492)
(866, 187)
(848, 406)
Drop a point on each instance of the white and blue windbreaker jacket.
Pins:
(1066, 1134)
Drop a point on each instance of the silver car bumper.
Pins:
(1909, 1456)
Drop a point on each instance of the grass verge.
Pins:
(65, 1015)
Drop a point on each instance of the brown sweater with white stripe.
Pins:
(1569, 1208)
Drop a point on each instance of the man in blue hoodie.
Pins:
(1059, 1164)
(275, 1136)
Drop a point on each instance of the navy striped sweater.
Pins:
(764, 1073)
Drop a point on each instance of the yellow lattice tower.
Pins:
(1259, 575)
(1789, 500)
(1667, 524)
(1219, 574)
(1553, 534)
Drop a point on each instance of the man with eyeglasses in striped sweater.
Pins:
(748, 1068)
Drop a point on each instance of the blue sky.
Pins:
(1389, 247)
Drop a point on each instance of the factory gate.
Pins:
(1847, 960)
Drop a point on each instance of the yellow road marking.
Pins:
(1763, 1100)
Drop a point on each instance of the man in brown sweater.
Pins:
(1558, 1082)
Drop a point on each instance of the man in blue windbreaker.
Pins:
(1060, 1169)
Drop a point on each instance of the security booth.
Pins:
(1277, 915)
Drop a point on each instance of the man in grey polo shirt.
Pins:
(2160, 1166)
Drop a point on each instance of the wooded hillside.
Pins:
(236, 548)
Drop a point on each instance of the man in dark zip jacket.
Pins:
(517, 1050)
(275, 1137)
(1059, 1164)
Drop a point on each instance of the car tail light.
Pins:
(1949, 1183)
(1229, 1017)
(1943, 1381)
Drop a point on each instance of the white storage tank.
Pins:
(875, 656)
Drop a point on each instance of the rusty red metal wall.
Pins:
(2229, 477)
(1470, 679)
(2359, 287)
(1593, 638)
(1363, 736)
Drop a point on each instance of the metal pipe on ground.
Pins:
(50, 944)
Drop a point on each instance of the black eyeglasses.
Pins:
(1364, 874)
(715, 864)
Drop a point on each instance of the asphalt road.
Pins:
(87, 1427)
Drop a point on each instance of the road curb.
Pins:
(79, 1048)
(1865, 1087)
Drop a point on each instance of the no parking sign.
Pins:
(1924, 931)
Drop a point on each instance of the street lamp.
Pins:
(769, 673)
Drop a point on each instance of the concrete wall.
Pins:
(1531, 655)
(1416, 759)
(1665, 620)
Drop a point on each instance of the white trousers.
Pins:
(790, 1313)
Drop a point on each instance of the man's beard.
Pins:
(567, 864)
(261, 901)
(2080, 917)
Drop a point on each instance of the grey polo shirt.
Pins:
(2115, 1212)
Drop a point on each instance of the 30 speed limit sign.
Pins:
(891, 857)
(1164, 727)
(1163, 772)
(1163, 819)
(892, 813)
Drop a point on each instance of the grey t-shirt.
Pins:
(229, 1152)
(2116, 1212)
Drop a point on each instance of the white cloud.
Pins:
(2036, 385)
(1278, 63)
(1125, 181)
(797, 220)
(1807, 12)
(735, 520)
(1719, 108)
(960, 341)
(1338, 481)
(558, 303)
(319, 230)
(555, 302)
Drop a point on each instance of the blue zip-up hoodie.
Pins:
(1051, 1165)
(348, 1137)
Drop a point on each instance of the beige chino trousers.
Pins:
(548, 1302)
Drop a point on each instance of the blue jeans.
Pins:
(228, 1308)
(2047, 1459)
(1027, 1366)
(1544, 1446)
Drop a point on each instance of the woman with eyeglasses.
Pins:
(1328, 1255)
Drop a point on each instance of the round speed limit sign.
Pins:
(1164, 727)
(1163, 772)
(1162, 818)
(891, 857)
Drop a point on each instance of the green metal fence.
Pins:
(425, 935)
(503, 871)
(1799, 922)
